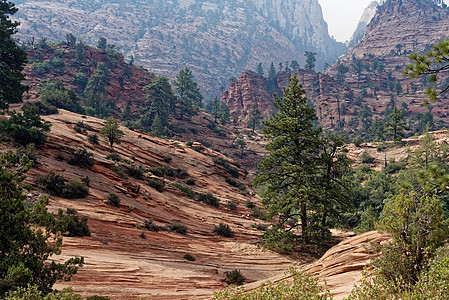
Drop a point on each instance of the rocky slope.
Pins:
(251, 88)
(365, 19)
(123, 260)
(216, 40)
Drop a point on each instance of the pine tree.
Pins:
(96, 89)
(188, 93)
(224, 113)
(12, 58)
(216, 108)
(395, 126)
(260, 69)
(294, 143)
(112, 132)
(29, 234)
(310, 60)
(294, 65)
(254, 117)
(160, 100)
(272, 79)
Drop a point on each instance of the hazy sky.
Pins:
(342, 16)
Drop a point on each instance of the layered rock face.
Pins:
(216, 40)
(412, 24)
(251, 88)
(366, 18)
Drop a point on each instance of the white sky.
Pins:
(342, 16)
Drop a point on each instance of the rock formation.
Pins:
(216, 40)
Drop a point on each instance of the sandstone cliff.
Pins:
(216, 40)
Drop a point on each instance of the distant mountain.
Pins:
(366, 18)
(216, 39)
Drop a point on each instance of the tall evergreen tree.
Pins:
(395, 125)
(310, 60)
(12, 58)
(29, 234)
(254, 117)
(294, 65)
(160, 100)
(216, 108)
(188, 93)
(272, 80)
(111, 131)
(96, 89)
(224, 113)
(260, 69)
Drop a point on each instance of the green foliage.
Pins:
(40, 108)
(25, 128)
(76, 226)
(167, 158)
(223, 230)
(365, 158)
(29, 151)
(431, 64)
(93, 138)
(96, 89)
(299, 286)
(234, 277)
(75, 190)
(150, 226)
(177, 227)
(395, 125)
(113, 199)
(418, 228)
(230, 169)
(114, 156)
(119, 171)
(187, 92)
(55, 94)
(254, 117)
(157, 185)
(279, 240)
(12, 60)
(28, 226)
(190, 181)
(310, 60)
(185, 189)
(189, 257)
(358, 140)
(54, 184)
(33, 293)
(136, 172)
(112, 132)
(304, 174)
(82, 158)
(240, 185)
(231, 205)
(209, 199)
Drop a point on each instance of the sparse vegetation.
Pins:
(54, 184)
(82, 158)
(189, 257)
(209, 199)
(222, 162)
(113, 199)
(231, 205)
(185, 189)
(157, 185)
(234, 277)
(177, 227)
(223, 230)
(76, 226)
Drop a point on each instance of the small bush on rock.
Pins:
(223, 230)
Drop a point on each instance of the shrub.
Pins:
(223, 230)
(82, 158)
(249, 204)
(28, 151)
(231, 205)
(93, 138)
(222, 162)
(52, 183)
(40, 108)
(240, 185)
(167, 159)
(135, 171)
(157, 185)
(177, 227)
(189, 257)
(186, 190)
(114, 156)
(95, 297)
(234, 277)
(150, 226)
(75, 189)
(299, 285)
(190, 181)
(76, 227)
(279, 240)
(181, 173)
(260, 226)
(119, 171)
(366, 158)
(25, 128)
(358, 141)
(162, 171)
(209, 199)
(256, 212)
(113, 199)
